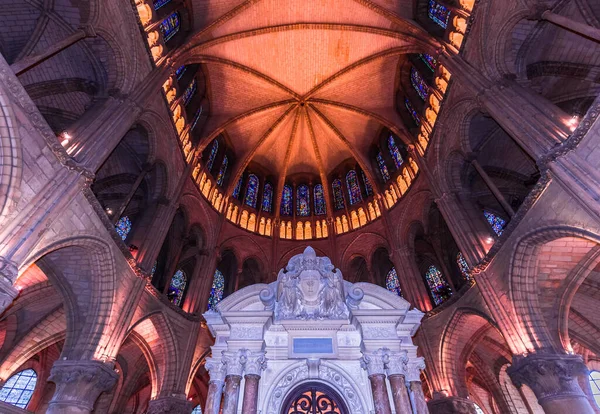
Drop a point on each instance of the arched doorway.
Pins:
(314, 398)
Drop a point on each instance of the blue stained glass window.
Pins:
(320, 206)
(463, 266)
(222, 171)
(395, 152)
(196, 118)
(267, 201)
(212, 155)
(170, 26)
(419, 83)
(179, 72)
(414, 114)
(368, 186)
(438, 13)
(353, 188)
(438, 287)
(159, 3)
(123, 227)
(190, 91)
(496, 222)
(429, 60)
(385, 174)
(154, 268)
(594, 380)
(303, 200)
(197, 410)
(286, 201)
(177, 288)
(19, 388)
(392, 282)
(217, 290)
(478, 409)
(252, 191)
(238, 188)
(338, 196)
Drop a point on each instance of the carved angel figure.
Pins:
(289, 296)
(331, 297)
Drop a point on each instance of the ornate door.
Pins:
(313, 398)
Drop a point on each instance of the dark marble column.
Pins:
(374, 363)
(413, 378)
(554, 380)
(216, 370)
(232, 394)
(255, 364)
(396, 369)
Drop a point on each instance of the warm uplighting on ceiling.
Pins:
(573, 123)
(66, 138)
(489, 240)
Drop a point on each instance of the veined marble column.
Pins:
(396, 368)
(554, 380)
(234, 364)
(374, 363)
(216, 370)
(255, 364)
(413, 378)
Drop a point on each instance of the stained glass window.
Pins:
(177, 288)
(385, 174)
(170, 26)
(440, 291)
(222, 171)
(368, 186)
(154, 268)
(267, 201)
(414, 114)
(189, 93)
(463, 266)
(238, 188)
(478, 409)
(196, 118)
(286, 201)
(594, 380)
(395, 152)
(392, 282)
(303, 200)
(159, 3)
(320, 207)
(19, 388)
(496, 222)
(419, 83)
(338, 196)
(252, 191)
(216, 291)
(438, 13)
(179, 72)
(123, 227)
(353, 188)
(197, 410)
(429, 60)
(212, 155)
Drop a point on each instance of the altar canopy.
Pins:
(312, 342)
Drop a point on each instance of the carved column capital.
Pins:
(398, 363)
(170, 405)
(414, 368)
(79, 383)
(216, 369)
(549, 376)
(375, 362)
(234, 362)
(255, 362)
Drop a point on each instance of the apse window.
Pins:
(594, 379)
(19, 388)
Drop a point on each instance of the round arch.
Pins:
(313, 395)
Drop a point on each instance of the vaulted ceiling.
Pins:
(299, 86)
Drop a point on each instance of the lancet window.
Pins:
(177, 287)
(338, 196)
(368, 186)
(353, 187)
(238, 188)
(463, 266)
(190, 91)
(395, 152)
(419, 83)
(217, 290)
(429, 60)
(123, 227)
(303, 201)
(320, 207)
(252, 191)
(392, 282)
(267, 201)
(170, 26)
(438, 287)
(413, 113)
(438, 13)
(498, 223)
(222, 171)
(212, 155)
(385, 174)
(286, 201)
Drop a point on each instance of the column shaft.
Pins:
(129, 196)
(400, 394)
(232, 394)
(213, 399)
(572, 25)
(418, 398)
(250, 403)
(381, 401)
(492, 186)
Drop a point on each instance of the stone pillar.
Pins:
(255, 364)
(397, 367)
(554, 380)
(234, 364)
(31, 61)
(8, 275)
(216, 370)
(403, 260)
(374, 363)
(132, 191)
(493, 188)
(78, 385)
(413, 378)
(572, 25)
(170, 405)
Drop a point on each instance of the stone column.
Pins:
(170, 405)
(8, 275)
(234, 364)
(132, 191)
(78, 385)
(216, 370)
(493, 188)
(554, 380)
(571, 25)
(255, 364)
(413, 379)
(374, 363)
(397, 367)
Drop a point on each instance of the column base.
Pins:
(451, 405)
(170, 405)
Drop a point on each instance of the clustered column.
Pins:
(403, 374)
